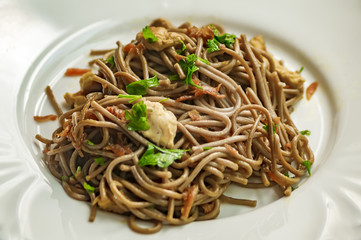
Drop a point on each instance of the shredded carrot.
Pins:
(311, 90)
(205, 32)
(274, 177)
(118, 149)
(136, 49)
(184, 98)
(76, 71)
(288, 145)
(119, 113)
(188, 201)
(50, 117)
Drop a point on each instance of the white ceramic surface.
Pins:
(39, 39)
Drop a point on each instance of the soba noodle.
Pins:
(231, 115)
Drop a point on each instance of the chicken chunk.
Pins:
(107, 204)
(258, 42)
(87, 84)
(293, 79)
(165, 39)
(75, 99)
(162, 123)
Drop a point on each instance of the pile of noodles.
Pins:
(225, 125)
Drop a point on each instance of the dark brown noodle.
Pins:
(245, 135)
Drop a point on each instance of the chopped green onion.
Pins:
(207, 148)
(90, 143)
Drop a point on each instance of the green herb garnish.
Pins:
(163, 158)
(301, 69)
(307, 164)
(174, 77)
(110, 60)
(132, 97)
(163, 100)
(286, 174)
(65, 178)
(306, 132)
(148, 35)
(203, 60)
(213, 45)
(78, 170)
(207, 148)
(99, 160)
(138, 118)
(189, 68)
(90, 143)
(265, 127)
(140, 87)
(89, 188)
(183, 48)
(293, 188)
(226, 39)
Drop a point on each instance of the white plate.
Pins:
(43, 39)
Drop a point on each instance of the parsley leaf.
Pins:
(163, 158)
(213, 45)
(183, 48)
(306, 132)
(286, 174)
(265, 127)
(307, 164)
(133, 97)
(174, 77)
(203, 60)
(138, 118)
(65, 178)
(90, 143)
(226, 38)
(140, 87)
(189, 68)
(99, 160)
(110, 60)
(148, 35)
(89, 188)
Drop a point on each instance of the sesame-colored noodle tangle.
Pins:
(228, 109)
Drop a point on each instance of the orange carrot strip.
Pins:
(311, 90)
(76, 71)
